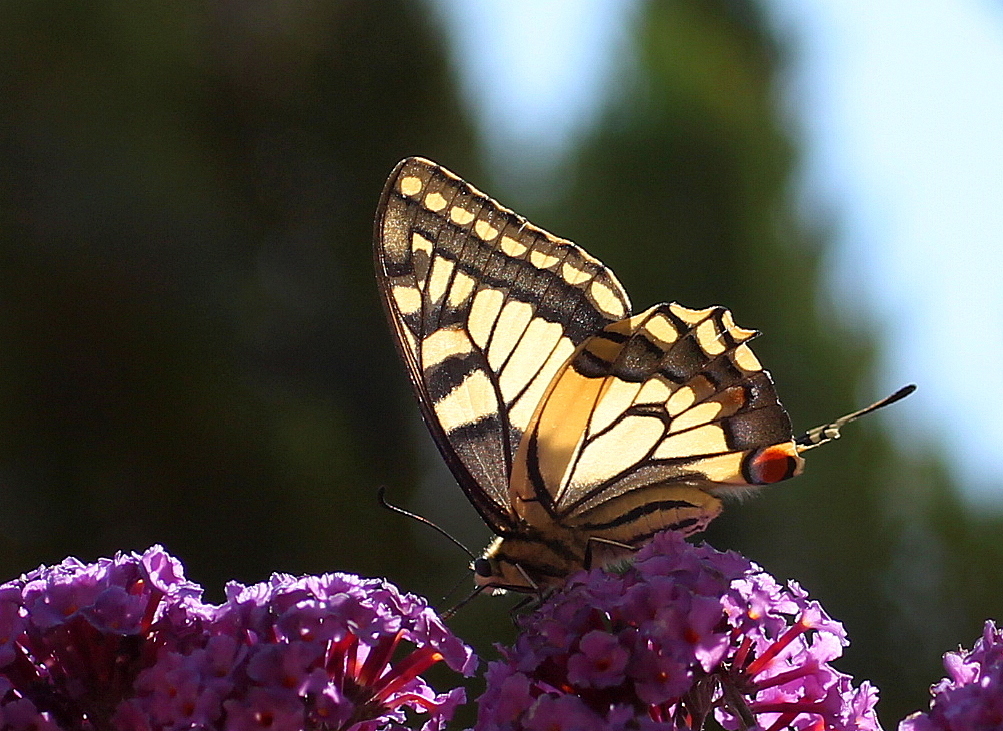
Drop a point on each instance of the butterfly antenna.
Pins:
(822, 434)
(381, 493)
(450, 593)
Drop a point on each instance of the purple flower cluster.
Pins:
(126, 644)
(683, 633)
(971, 697)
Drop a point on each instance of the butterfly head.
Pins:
(487, 575)
(493, 576)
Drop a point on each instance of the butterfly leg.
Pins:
(531, 601)
(529, 580)
(609, 544)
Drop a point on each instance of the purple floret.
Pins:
(971, 697)
(684, 633)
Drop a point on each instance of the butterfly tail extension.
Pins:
(829, 432)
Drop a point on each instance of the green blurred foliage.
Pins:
(192, 351)
(192, 347)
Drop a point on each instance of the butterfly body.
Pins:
(576, 430)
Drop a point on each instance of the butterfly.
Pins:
(576, 429)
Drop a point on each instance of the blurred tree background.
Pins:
(192, 351)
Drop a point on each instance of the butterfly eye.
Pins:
(482, 567)
(772, 464)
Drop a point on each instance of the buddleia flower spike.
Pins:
(684, 634)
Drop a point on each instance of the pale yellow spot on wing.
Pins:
(529, 356)
(746, 359)
(513, 247)
(408, 299)
(681, 400)
(605, 299)
(512, 323)
(654, 391)
(443, 344)
(435, 202)
(410, 185)
(463, 285)
(662, 330)
(485, 230)
(704, 440)
(438, 278)
(700, 414)
(615, 399)
(739, 333)
(542, 260)
(690, 317)
(483, 313)
(709, 338)
(472, 400)
(420, 243)
(620, 448)
(731, 400)
(702, 387)
(522, 410)
(394, 239)
(460, 216)
(725, 468)
(574, 275)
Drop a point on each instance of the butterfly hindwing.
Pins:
(487, 308)
(651, 417)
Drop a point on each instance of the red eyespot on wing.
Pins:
(772, 464)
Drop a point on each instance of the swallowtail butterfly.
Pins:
(576, 429)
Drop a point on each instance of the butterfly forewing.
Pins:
(487, 308)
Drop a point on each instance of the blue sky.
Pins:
(900, 109)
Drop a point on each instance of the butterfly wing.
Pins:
(486, 308)
(649, 419)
